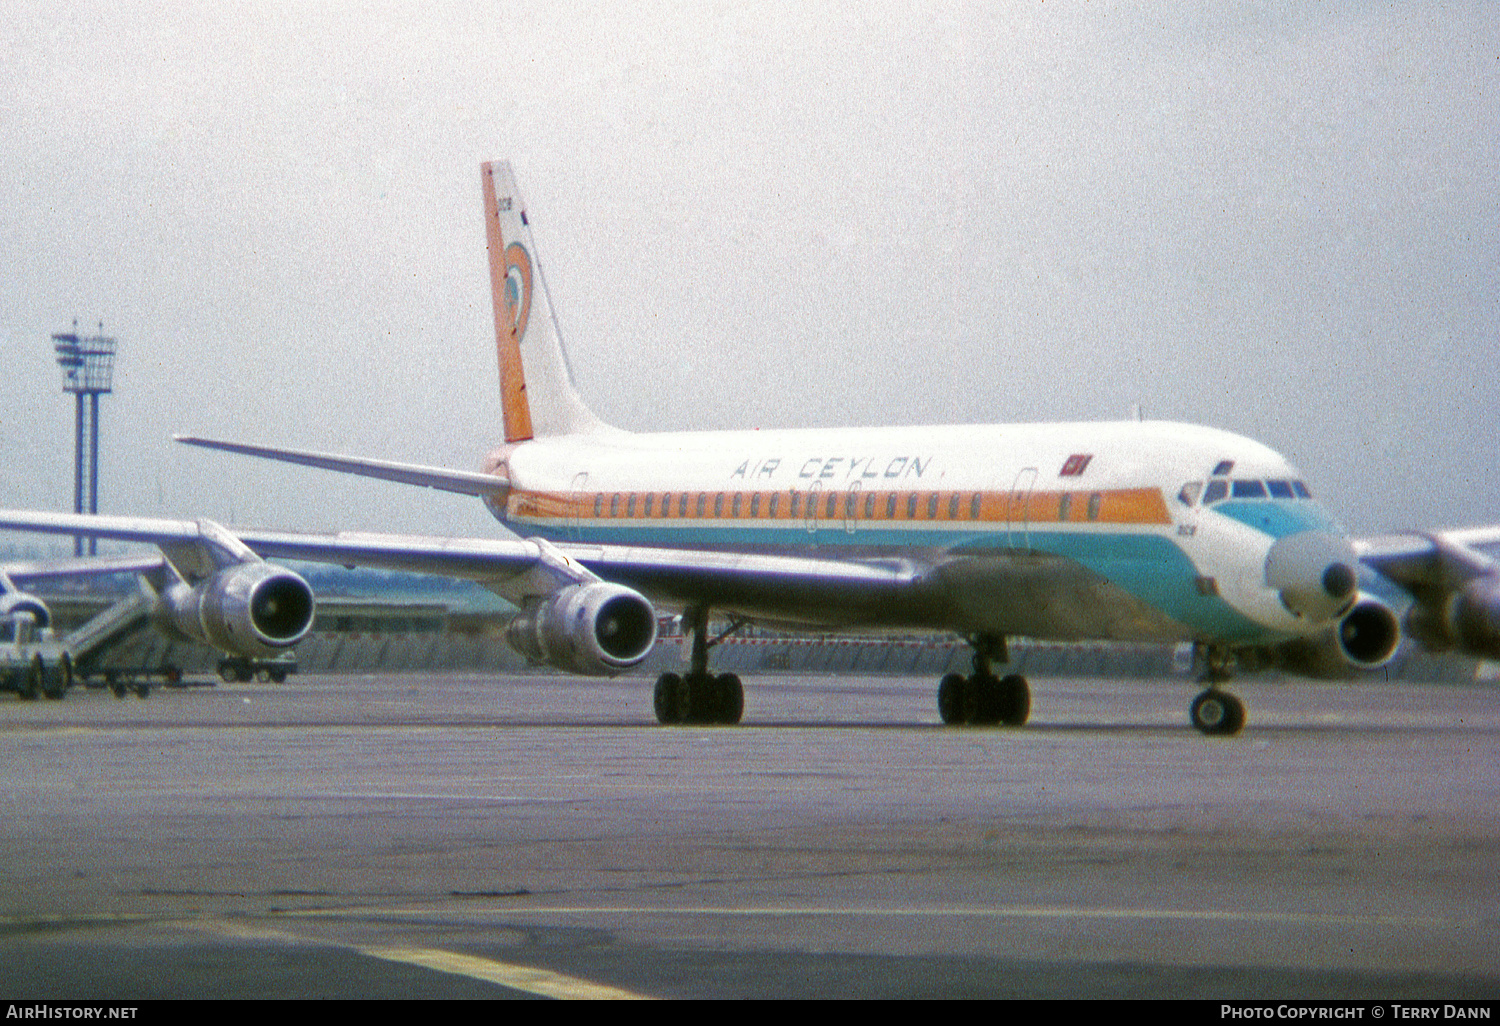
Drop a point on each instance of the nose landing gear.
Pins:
(1216, 712)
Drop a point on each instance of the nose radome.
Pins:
(1339, 580)
(1315, 573)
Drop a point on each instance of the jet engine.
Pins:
(249, 609)
(13, 602)
(1364, 638)
(596, 629)
(1468, 620)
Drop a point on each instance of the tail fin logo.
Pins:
(517, 288)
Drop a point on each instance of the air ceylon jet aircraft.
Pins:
(1149, 532)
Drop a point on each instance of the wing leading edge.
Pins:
(520, 569)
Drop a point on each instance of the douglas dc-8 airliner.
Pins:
(1131, 531)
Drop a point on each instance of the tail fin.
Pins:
(536, 383)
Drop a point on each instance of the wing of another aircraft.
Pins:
(461, 481)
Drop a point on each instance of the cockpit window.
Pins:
(1189, 493)
(1244, 488)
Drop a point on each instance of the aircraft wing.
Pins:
(461, 481)
(1431, 565)
(517, 568)
(26, 571)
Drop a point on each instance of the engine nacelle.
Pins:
(1365, 638)
(251, 609)
(596, 629)
(1468, 620)
(13, 602)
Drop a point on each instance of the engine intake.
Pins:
(1365, 638)
(13, 602)
(252, 609)
(595, 629)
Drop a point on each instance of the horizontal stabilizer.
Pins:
(461, 481)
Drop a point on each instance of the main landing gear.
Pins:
(1215, 711)
(984, 700)
(700, 697)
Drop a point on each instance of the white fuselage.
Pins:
(1075, 530)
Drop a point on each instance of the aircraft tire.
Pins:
(1015, 700)
(952, 700)
(670, 699)
(1218, 713)
(985, 700)
(729, 705)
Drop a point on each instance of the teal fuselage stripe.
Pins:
(1277, 518)
(1148, 566)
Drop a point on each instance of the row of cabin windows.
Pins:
(794, 505)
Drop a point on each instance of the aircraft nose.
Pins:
(1314, 571)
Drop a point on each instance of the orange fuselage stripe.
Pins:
(1135, 506)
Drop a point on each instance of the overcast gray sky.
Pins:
(1276, 218)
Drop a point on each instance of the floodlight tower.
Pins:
(88, 365)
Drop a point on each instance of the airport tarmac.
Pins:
(467, 836)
